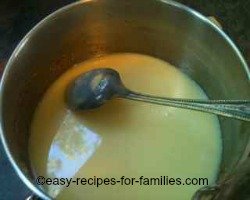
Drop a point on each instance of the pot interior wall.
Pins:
(95, 28)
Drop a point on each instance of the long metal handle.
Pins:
(238, 109)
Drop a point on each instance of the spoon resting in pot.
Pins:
(93, 88)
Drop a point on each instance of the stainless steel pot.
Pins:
(90, 28)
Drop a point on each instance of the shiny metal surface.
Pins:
(91, 28)
(95, 87)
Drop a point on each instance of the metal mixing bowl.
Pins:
(91, 28)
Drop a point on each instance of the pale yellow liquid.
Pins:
(126, 138)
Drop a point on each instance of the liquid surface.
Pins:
(126, 138)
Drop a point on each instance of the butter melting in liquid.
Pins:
(126, 138)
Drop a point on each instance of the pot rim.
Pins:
(23, 42)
